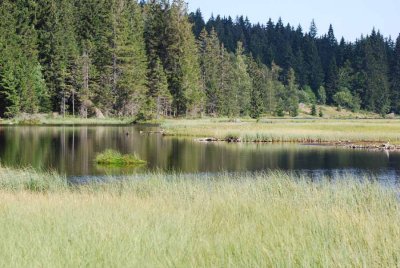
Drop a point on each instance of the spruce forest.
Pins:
(118, 58)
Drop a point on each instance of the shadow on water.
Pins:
(71, 150)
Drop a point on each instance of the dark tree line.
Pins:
(98, 57)
(364, 73)
(151, 58)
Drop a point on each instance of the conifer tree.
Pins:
(313, 30)
(376, 96)
(22, 86)
(159, 99)
(395, 78)
(332, 79)
(155, 16)
(346, 76)
(242, 86)
(228, 102)
(259, 84)
(10, 52)
(95, 35)
(292, 99)
(313, 66)
(197, 21)
(129, 58)
(58, 52)
(223, 81)
(182, 63)
(274, 95)
(209, 49)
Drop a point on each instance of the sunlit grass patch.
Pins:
(288, 130)
(115, 158)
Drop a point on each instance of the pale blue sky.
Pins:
(350, 18)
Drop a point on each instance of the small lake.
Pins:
(71, 150)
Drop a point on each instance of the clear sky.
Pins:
(350, 18)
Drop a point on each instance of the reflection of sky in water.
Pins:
(71, 151)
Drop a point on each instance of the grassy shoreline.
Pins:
(262, 220)
(366, 131)
(67, 121)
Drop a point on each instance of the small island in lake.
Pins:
(115, 158)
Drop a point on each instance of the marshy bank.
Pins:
(251, 220)
(347, 133)
(364, 145)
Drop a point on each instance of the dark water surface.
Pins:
(72, 150)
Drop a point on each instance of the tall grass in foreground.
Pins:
(260, 220)
(28, 179)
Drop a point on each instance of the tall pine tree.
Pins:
(376, 95)
(395, 78)
(209, 48)
(129, 58)
(242, 86)
(182, 63)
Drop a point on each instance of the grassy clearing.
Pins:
(249, 221)
(331, 112)
(288, 130)
(115, 158)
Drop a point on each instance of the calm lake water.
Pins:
(72, 150)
